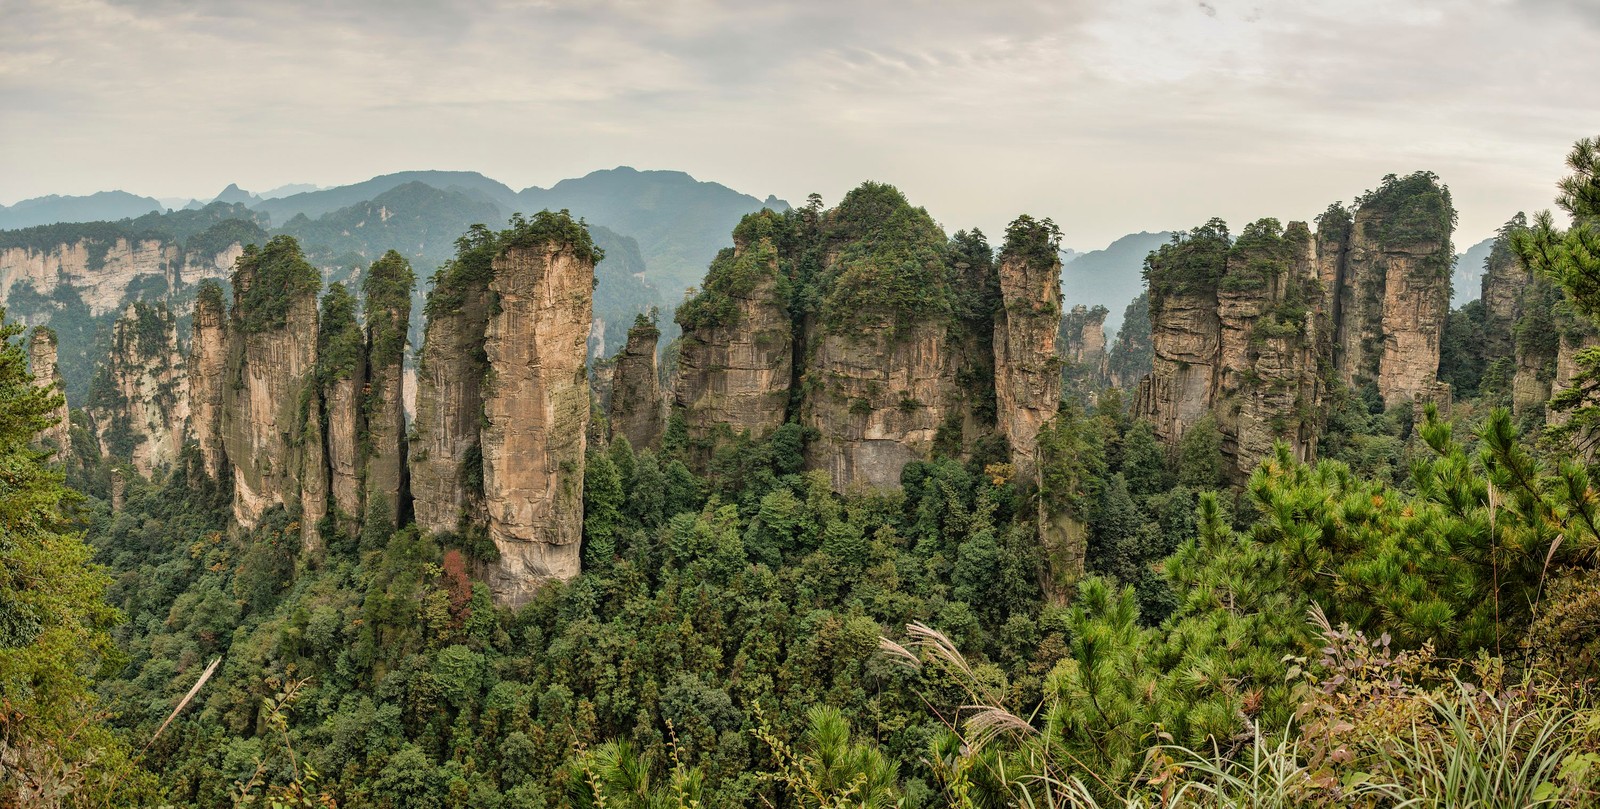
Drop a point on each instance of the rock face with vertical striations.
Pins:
(1185, 330)
(880, 374)
(42, 364)
(736, 359)
(1505, 279)
(1251, 330)
(446, 460)
(272, 354)
(1393, 284)
(1235, 335)
(387, 290)
(341, 376)
(208, 361)
(1027, 370)
(139, 400)
(636, 411)
(536, 403)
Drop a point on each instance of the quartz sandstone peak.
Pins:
(536, 409)
(208, 359)
(42, 363)
(636, 411)
(387, 289)
(139, 402)
(1027, 369)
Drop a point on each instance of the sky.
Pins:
(1110, 116)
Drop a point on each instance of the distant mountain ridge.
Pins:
(1111, 277)
(102, 206)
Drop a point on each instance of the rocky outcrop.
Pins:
(536, 409)
(207, 367)
(1505, 280)
(1393, 283)
(1027, 370)
(341, 375)
(876, 396)
(1083, 339)
(636, 411)
(1234, 333)
(1250, 330)
(272, 354)
(736, 358)
(446, 463)
(139, 401)
(42, 364)
(387, 289)
(103, 267)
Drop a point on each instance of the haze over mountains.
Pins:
(661, 228)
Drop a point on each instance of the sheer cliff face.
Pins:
(736, 359)
(1234, 331)
(387, 290)
(42, 363)
(1027, 370)
(1393, 287)
(139, 402)
(1249, 329)
(450, 403)
(102, 270)
(272, 355)
(1505, 279)
(208, 360)
(536, 412)
(876, 398)
(636, 411)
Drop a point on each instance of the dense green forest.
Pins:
(1409, 621)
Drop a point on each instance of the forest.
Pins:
(1408, 618)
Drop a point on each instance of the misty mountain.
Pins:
(1466, 277)
(233, 194)
(313, 204)
(679, 222)
(1111, 277)
(104, 206)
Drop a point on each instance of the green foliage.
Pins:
(1192, 263)
(270, 280)
(1133, 352)
(735, 274)
(547, 229)
(1035, 241)
(1200, 455)
(53, 620)
(340, 353)
(387, 293)
(890, 262)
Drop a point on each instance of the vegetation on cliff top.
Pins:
(387, 293)
(268, 281)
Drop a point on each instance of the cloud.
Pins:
(1110, 117)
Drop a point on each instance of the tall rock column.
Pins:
(139, 400)
(208, 360)
(446, 463)
(636, 404)
(272, 353)
(536, 403)
(341, 375)
(1027, 371)
(1394, 288)
(387, 288)
(736, 359)
(1185, 330)
(42, 363)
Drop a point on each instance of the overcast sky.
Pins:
(1110, 116)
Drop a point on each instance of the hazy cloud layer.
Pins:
(1109, 116)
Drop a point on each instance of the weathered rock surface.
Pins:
(42, 363)
(272, 355)
(208, 361)
(637, 409)
(736, 358)
(101, 270)
(1027, 370)
(388, 312)
(446, 457)
(139, 401)
(536, 412)
(1234, 332)
(876, 398)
